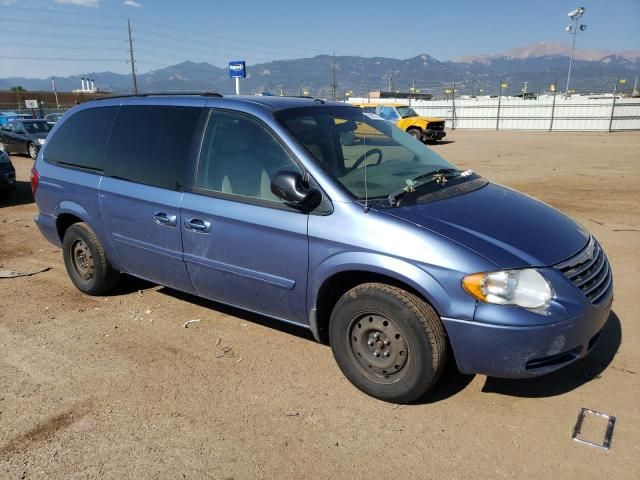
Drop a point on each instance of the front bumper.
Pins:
(433, 134)
(520, 351)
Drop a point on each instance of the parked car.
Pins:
(398, 259)
(52, 118)
(7, 175)
(7, 116)
(425, 129)
(24, 136)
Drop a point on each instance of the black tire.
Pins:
(414, 132)
(32, 150)
(86, 262)
(410, 342)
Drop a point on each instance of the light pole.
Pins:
(574, 29)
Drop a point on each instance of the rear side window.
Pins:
(81, 140)
(150, 144)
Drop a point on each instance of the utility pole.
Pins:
(499, 102)
(553, 105)
(134, 83)
(574, 29)
(334, 85)
(55, 92)
(453, 106)
(613, 104)
(362, 77)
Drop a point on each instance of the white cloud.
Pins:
(132, 3)
(80, 3)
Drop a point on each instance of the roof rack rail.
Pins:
(160, 94)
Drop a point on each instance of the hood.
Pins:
(426, 119)
(506, 227)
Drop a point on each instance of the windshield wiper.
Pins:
(440, 176)
(444, 172)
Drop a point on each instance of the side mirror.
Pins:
(290, 187)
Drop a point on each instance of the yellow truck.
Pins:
(425, 129)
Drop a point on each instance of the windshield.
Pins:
(406, 112)
(36, 127)
(343, 140)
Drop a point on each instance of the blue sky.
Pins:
(39, 38)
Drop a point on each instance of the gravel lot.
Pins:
(116, 387)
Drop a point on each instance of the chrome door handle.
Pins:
(162, 218)
(197, 225)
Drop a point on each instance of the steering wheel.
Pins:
(360, 159)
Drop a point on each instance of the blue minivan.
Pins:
(321, 215)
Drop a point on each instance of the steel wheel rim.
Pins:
(379, 347)
(82, 260)
(33, 153)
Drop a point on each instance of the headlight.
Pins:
(525, 288)
(41, 141)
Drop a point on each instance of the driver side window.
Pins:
(240, 157)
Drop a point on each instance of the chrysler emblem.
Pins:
(590, 249)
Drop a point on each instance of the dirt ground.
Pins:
(115, 387)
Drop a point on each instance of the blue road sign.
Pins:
(237, 69)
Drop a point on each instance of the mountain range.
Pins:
(538, 65)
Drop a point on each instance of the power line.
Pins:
(62, 12)
(57, 46)
(51, 22)
(64, 59)
(161, 34)
(48, 35)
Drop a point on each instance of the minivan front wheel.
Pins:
(388, 342)
(86, 262)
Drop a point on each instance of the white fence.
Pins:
(576, 113)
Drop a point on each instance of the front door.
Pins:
(242, 245)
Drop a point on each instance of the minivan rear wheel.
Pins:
(86, 262)
(388, 342)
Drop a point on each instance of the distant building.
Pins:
(415, 96)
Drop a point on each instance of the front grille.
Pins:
(436, 126)
(589, 270)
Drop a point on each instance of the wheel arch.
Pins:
(335, 284)
(67, 214)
